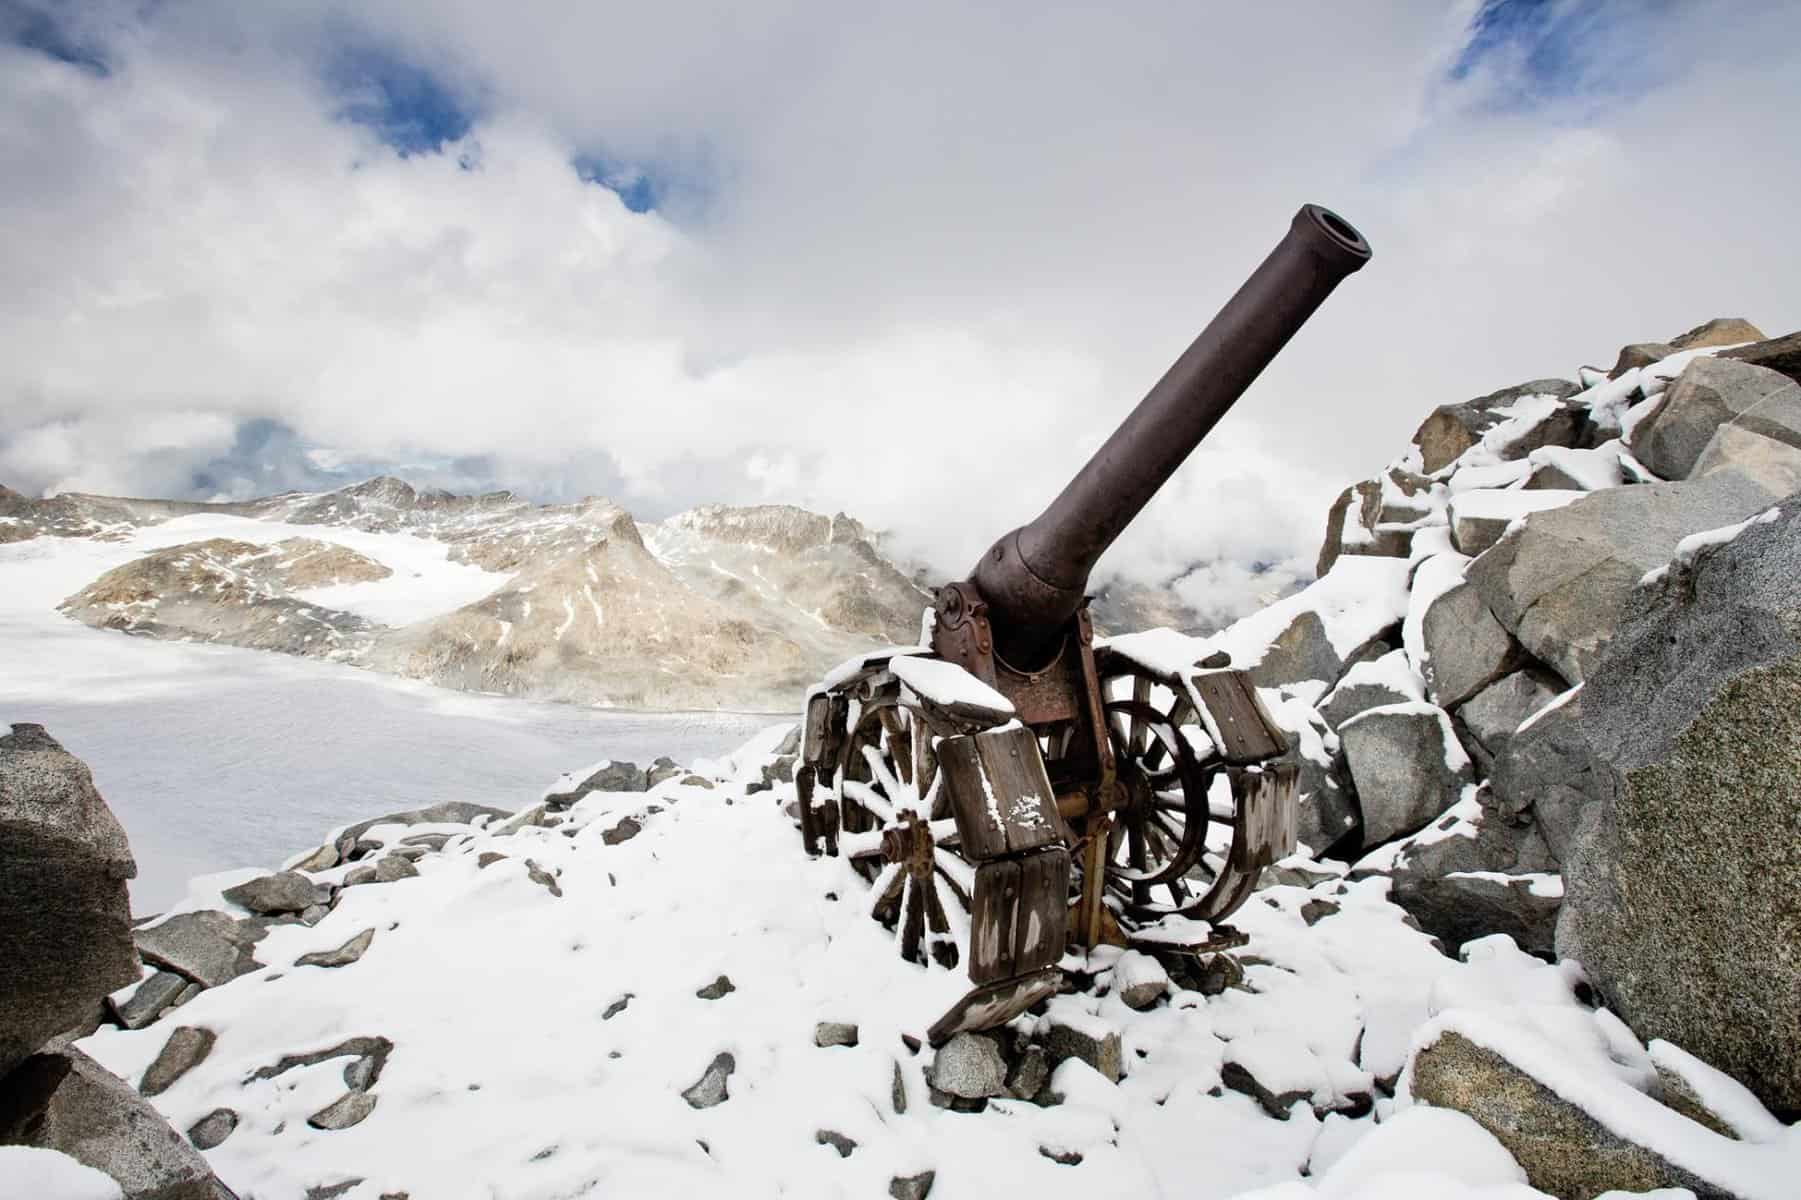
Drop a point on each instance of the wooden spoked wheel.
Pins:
(1170, 832)
(899, 835)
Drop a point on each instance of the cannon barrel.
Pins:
(1035, 577)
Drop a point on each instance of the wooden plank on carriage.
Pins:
(1266, 812)
(1041, 921)
(1000, 793)
(1243, 722)
(992, 1004)
(952, 700)
(992, 921)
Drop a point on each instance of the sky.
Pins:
(908, 261)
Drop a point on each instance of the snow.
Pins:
(946, 683)
(1723, 1095)
(1550, 706)
(1594, 469)
(1392, 671)
(1484, 477)
(1357, 599)
(1692, 547)
(1493, 505)
(1435, 576)
(28, 1173)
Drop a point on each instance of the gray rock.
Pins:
(1140, 980)
(148, 999)
(1677, 1091)
(837, 1141)
(1317, 910)
(449, 812)
(834, 1033)
(1407, 765)
(212, 1129)
(187, 1048)
(65, 919)
(1276, 1104)
(391, 868)
(1709, 393)
(1459, 908)
(1102, 1053)
(1355, 526)
(710, 1089)
(1452, 429)
(661, 770)
(1547, 771)
(322, 859)
(1349, 699)
(1030, 1074)
(284, 892)
(971, 1067)
(717, 989)
(616, 1007)
(1765, 444)
(542, 878)
(352, 1108)
(1639, 354)
(1564, 1150)
(1562, 583)
(912, 1187)
(488, 858)
(1781, 354)
(1683, 889)
(1301, 651)
(374, 1048)
(610, 777)
(627, 829)
(206, 946)
(343, 956)
(65, 1101)
(360, 1073)
(1721, 331)
(1492, 714)
(358, 876)
(313, 915)
(1466, 648)
(699, 781)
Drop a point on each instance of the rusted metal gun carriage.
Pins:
(1011, 788)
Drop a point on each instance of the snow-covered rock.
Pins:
(1407, 764)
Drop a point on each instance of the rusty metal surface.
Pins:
(1034, 577)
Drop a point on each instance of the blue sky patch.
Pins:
(1560, 51)
(409, 107)
(637, 188)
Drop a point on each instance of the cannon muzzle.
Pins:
(1035, 577)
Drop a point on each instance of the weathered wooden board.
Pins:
(1000, 794)
(991, 921)
(1249, 733)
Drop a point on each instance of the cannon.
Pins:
(1013, 788)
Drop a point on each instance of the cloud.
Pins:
(907, 262)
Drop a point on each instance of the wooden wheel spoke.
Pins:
(872, 801)
(888, 888)
(913, 926)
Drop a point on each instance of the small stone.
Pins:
(912, 1187)
(710, 1089)
(1139, 979)
(834, 1033)
(1100, 1052)
(542, 878)
(837, 1141)
(1314, 910)
(616, 1007)
(284, 892)
(357, 876)
(660, 770)
(897, 1092)
(1276, 1104)
(349, 1109)
(1030, 1074)
(699, 781)
(970, 1067)
(343, 956)
(1065, 1158)
(205, 946)
(322, 859)
(391, 868)
(186, 1049)
(488, 858)
(360, 1073)
(314, 915)
(212, 1129)
(331, 1191)
(147, 1000)
(625, 831)
(431, 841)
(717, 989)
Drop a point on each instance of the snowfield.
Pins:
(549, 1017)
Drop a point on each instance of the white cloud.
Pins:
(916, 264)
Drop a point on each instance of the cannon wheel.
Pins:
(1170, 840)
(898, 833)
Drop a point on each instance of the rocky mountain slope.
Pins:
(715, 608)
